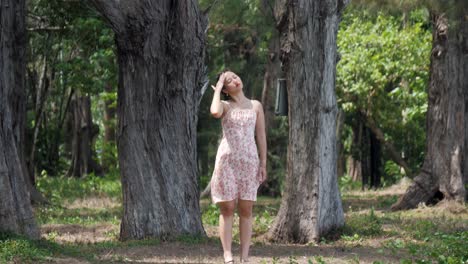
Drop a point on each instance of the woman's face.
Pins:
(232, 83)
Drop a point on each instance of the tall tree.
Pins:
(160, 50)
(442, 170)
(311, 204)
(83, 133)
(15, 208)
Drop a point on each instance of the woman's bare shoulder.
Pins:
(257, 105)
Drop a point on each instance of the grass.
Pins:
(92, 206)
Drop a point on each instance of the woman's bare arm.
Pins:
(261, 135)
(217, 107)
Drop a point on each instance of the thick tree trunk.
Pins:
(161, 49)
(83, 132)
(311, 204)
(15, 208)
(442, 167)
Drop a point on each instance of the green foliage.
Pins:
(346, 183)
(55, 214)
(210, 215)
(383, 72)
(59, 189)
(79, 56)
(393, 173)
(263, 222)
(386, 201)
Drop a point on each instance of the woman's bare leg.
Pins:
(225, 227)
(245, 227)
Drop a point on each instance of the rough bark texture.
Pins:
(442, 167)
(15, 208)
(161, 49)
(83, 132)
(311, 204)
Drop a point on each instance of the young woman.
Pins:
(239, 167)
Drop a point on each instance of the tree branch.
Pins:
(207, 10)
(394, 154)
(111, 12)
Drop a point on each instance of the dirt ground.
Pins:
(369, 250)
(211, 252)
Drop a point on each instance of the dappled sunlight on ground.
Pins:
(372, 232)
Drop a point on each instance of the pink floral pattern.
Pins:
(237, 162)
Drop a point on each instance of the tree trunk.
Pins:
(354, 160)
(465, 156)
(341, 161)
(15, 208)
(394, 154)
(365, 156)
(83, 132)
(442, 167)
(160, 49)
(109, 132)
(272, 73)
(40, 88)
(375, 161)
(311, 204)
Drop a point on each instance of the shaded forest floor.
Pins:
(81, 225)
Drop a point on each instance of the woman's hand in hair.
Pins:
(220, 83)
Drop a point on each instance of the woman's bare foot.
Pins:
(228, 259)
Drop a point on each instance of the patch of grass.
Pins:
(15, 248)
(20, 249)
(262, 222)
(386, 201)
(210, 215)
(442, 247)
(59, 189)
(346, 183)
(362, 225)
(83, 216)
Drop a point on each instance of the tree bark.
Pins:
(341, 161)
(160, 49)
(442, 167)
(83, 132)
(15, 208)
(311, 204)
